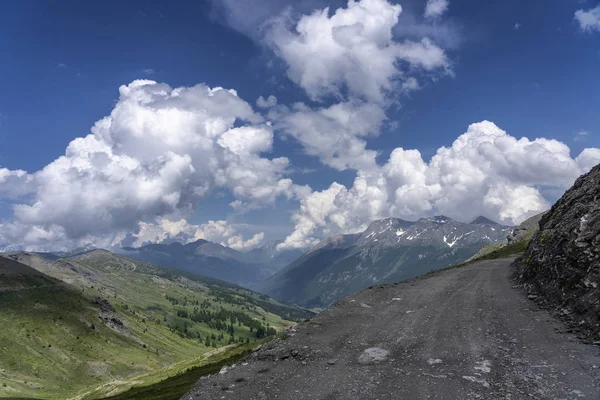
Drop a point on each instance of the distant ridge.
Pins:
(481, 220)
(389, 250)
(214, 260)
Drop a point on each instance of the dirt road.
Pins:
(465, 333)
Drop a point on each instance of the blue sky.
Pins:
(530, 68)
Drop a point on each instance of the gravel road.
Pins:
(464, 333)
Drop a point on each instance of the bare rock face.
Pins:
(526, 229)
(562, 263)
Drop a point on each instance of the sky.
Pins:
(239, 122)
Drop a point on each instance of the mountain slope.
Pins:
(526, 229)
(516, 243)
(54, 343)
(98, 317)
(562, 262)
(201, 258)
(390, 250)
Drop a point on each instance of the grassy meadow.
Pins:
(106, 323)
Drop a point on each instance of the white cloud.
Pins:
(247, 140)
(159, 152)
(15, 184)
(588, 158)
(145, 167)
(582, 135)
(484, 172)
(447, 33)
(164, 229)
(269, 102)
(312, 217)
(250, 18)
(411, 84)
(336, 134)
(589, 20)
(436, 8)
(238, 243)
(148, 71)
(351, 51)
(517, 26)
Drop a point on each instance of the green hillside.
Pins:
(97, 324)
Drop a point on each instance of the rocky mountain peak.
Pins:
(195, 244)
(333, 242)
(481, 220)
(440, 219)
(387, 228)
(385, 224)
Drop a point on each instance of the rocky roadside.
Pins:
(561, 266)
(463, 333)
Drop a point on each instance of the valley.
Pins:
(134, 330)
(101, 320)
(127, 327)
(214, 260)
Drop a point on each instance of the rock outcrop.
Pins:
(526, 229)
(561, 265)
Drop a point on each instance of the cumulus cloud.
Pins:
(335, 134)
(588, 158)
(15, 184)
(159, 151)
(435, 8)
(411, 84)
(589, 20)
(237, 242)
(269, 102)
(484, 172)
(353, 51)
(165, 229)
(144, 168)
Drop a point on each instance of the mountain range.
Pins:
(389, 250)
(217, 261)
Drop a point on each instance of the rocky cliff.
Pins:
(561, 266)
